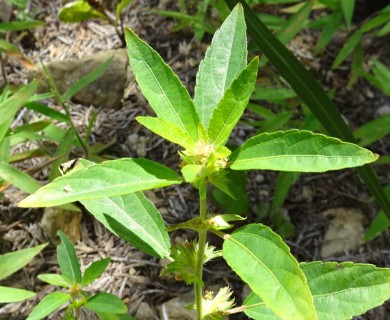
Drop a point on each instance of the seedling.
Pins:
(281, 287)
(10, 263)
(104, 304)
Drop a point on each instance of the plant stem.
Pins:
(198, 288)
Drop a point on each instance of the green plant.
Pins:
(22, 21)
(82, 10)
(197, 15)
(311, 93)
(9, 264)
(104, 304)
(112, 191)
(45, 128)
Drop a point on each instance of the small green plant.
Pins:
(82, 10)
(281, 287)
(68, 140)
(198, 16)
(104, 304)
(9, 264)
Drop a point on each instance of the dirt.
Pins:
(132, 275)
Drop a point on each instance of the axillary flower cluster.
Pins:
(202, 160)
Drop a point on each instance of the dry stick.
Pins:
(3, 69)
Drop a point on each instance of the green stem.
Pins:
(198, 288)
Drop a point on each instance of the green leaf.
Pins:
(332, 24)
(344, 290)
(184, 257)
(120, 7)
(300, 151)
(347, 49)
(18, 178)
(163, 89)
(19, 25)
(191, 172)
(94, 271)
(291, 28)
(78, 11)
(8, 295)
(272, 94)
(106, 302)
(48, 304)
(13, 261)
(230, 108)
(62, 153)
(380, 223)
(4, 129)
(67, 259)
(373, 130)
(384, 31)
(230, 195)
(267, 266)
(113, 316)
(55, 280)
(375, 22)
(276, 123)
(223, 62)
(13, 51)
(5, 157)
(255, 308)
(10, 106)
(381, 76)
(110, 178)
(348, 7)
(167, 130)
(309, 90)
(340, 290)
(135, 219)
(86, 80)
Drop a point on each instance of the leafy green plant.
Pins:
(46, 128)
(82, 10)
(22, 21)
(104, 304)
(197, 15)
(9, 264)
(311, 93)
(112, 191)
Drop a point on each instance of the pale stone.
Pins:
(106, 91)
(175, 309)
(144, 312)
(55, 218)
(345, 231)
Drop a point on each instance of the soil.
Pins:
(132, 275)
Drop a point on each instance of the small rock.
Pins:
(259, 178)
(383, 110)
(5, 10)
(55, 218)
(245, 291)
(345, 232)
(307, 194)
(144, 312)
(107, 90)
(175, 309)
